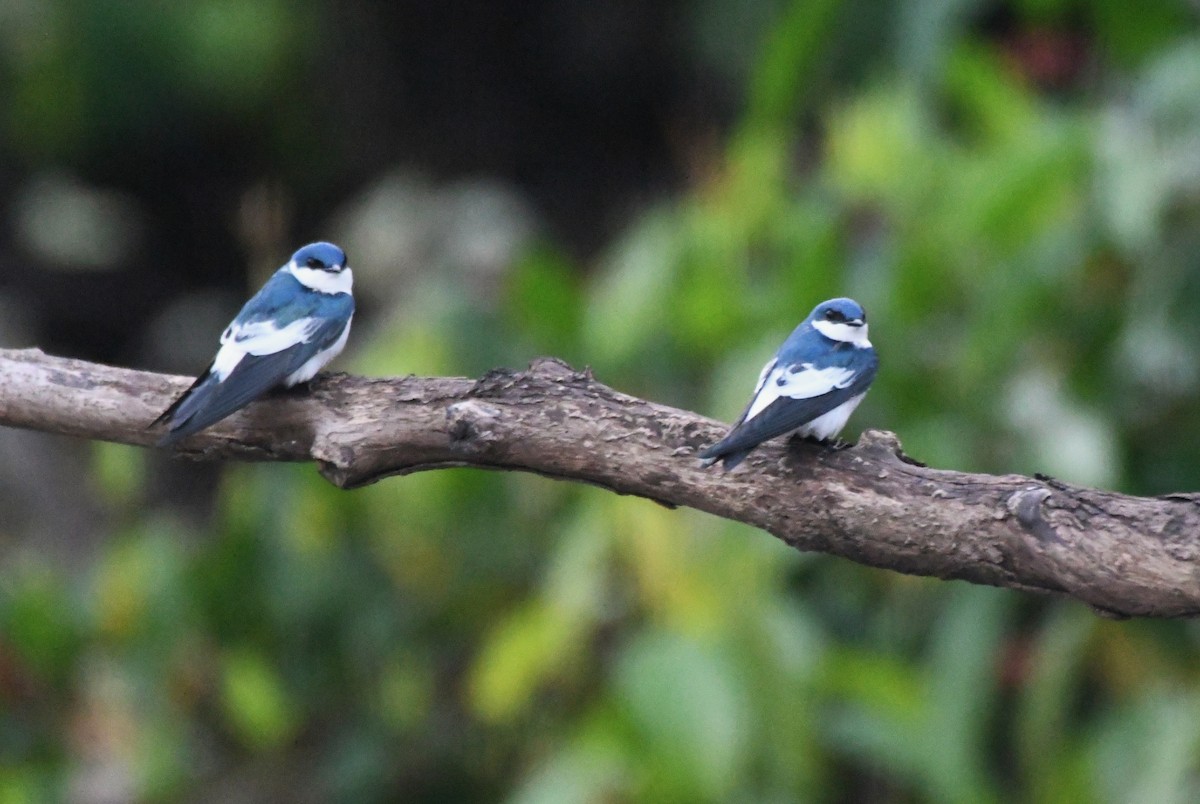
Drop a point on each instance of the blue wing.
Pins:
(276, 333)
(792, 394)
(281, 300)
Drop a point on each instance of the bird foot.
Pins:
(285, 391)
(833, 445)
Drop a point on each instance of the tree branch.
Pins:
(1125, 556)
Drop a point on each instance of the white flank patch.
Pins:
(259, 338)
(318, 361)
(762, 377)
(266, 338)
(803, 384)
(227, 359)
(843, 332)
(322, 281)
(828, 425)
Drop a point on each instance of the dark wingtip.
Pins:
(709, 455)
(167, 440)
(176, 429)
(733, 460)
(171, 437)
(728, 460)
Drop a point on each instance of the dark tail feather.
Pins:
(209, 401)
(179, 417)
(171, 437)
(728, 459)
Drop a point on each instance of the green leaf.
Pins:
(686, 703)
(255, 702)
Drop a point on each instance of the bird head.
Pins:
(841, 320)
(321, 257)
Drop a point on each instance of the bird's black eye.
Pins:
(834, 316)
(313, 262)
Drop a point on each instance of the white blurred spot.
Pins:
(73, 227)
(1065, 440)
(404, 226)
(1148, 148)
(1156, 356)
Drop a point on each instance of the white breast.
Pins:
(318, 361)
(828, 425)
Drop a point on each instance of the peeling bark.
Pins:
(1123, 555)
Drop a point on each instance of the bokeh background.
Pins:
(660, 191)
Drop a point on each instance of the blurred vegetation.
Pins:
(1011, 191)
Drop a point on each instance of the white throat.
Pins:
(322, 281)
(843, 332)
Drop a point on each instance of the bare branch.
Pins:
(1125, 556)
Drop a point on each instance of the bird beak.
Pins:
(857, 322)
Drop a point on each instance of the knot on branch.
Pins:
(885, 444)
(473, 426)
(555, 370)
(542, 371)
(1026, 505)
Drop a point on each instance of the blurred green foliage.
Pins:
(84, 75)
(1027, 254)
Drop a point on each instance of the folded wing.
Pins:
(254, 358)
(788, 396)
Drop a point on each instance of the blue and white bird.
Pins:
(284, 335)
(811, 386)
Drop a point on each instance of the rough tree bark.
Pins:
(1124, 556)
